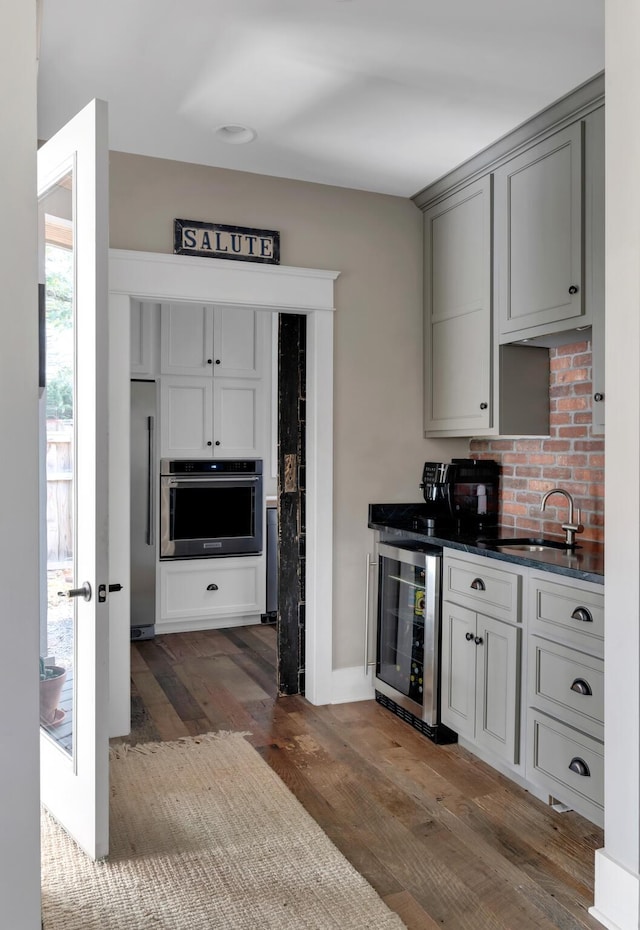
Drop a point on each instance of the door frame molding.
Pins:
(160, 277)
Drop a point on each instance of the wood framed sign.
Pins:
(214, 240)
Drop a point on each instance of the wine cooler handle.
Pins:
(371, 563)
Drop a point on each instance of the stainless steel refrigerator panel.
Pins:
(143, 509)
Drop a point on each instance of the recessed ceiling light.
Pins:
(235, 134)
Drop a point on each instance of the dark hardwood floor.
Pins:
(444, 839)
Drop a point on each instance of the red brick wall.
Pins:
(569, 458)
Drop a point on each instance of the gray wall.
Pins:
(375, 241)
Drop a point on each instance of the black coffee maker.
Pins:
(462, 492)
(475, 492)
(437, 490)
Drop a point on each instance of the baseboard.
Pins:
(617, 894)
(351, 684)
(191, 625)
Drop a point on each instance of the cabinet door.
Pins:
(498, 687)
(238, 417)
(143, 336)
(186, 414)
(538, 238)
(186, 339)
(458, 312)
(207, 589)
(594, 252)
(458, 689)
(238, 341)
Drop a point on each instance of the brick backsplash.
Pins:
(570, 457)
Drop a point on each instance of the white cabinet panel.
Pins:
(186, 339)
(208, 589)
(238, 417)
(143, 328)
(238, 338)
(186, 412)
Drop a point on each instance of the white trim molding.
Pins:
(164, 277)
(351, 684)
(617, 894)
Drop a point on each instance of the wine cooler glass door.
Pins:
(401, 612)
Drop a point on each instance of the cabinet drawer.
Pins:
(553, 670)
(478, 585)
(211, 588)
(573, 614)
(553, 747)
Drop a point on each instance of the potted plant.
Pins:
(52, 678)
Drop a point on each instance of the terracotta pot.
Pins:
(50, 690)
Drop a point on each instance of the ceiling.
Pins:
(379, 95)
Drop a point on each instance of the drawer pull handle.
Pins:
(581, 686)
(212, 587)
(478, 640)
(468, 637)
(478, 584)
(579, 766)
(582, 614)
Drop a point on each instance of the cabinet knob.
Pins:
(598, 397)
(217, 361)
(573, 289)
(579, 766)
(478, 640)
(468, 637)
(217, 442)
(212, 587)
(582, 614)
(483, 406)
(209, 443)
(209, 361)
(478, 584)
(580, 686)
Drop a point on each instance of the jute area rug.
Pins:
(205, 836)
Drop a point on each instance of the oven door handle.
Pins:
(174, 482)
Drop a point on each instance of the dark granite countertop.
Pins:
(408, 521)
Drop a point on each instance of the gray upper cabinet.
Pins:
(539, 275)
(594, 197)
(458, 312)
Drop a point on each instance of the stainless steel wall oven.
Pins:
(210, 507)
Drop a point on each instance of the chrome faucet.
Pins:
(570, 527)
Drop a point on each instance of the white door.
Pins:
(73, 258)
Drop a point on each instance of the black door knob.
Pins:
(573, 289)
(468, 637)
(478, 640)
(217, 442)
(483, 406)
(598, 397)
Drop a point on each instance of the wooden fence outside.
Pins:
(59, 494)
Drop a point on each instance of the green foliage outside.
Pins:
(59, 332)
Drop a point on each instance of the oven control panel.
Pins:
(210, 466)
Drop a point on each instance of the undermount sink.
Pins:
(527, 544)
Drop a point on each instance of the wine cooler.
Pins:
(408, 636)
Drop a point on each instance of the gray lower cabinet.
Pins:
(565, 716)
(539, 281)
(480, 689)
(481, 680)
